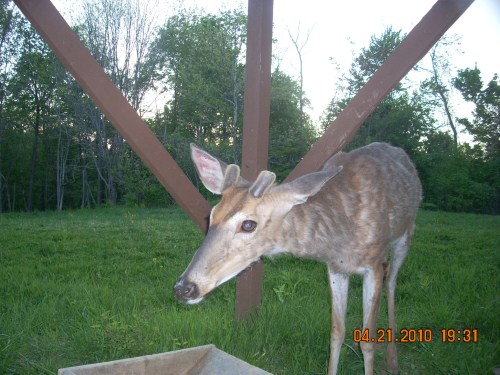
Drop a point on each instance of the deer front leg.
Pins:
(372, 287)
(339, 286)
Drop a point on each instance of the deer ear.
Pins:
(262, 183)
(308, 185)
(210, 169)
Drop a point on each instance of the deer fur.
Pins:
(350, 214)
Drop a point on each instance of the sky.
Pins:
(337, 30)
(340, 28)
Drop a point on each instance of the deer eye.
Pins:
(248, 226)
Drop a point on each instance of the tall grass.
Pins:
(96, 285)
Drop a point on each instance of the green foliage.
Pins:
(29, 119)
(201, 60)
(371, 58)
(485, 126)
(289, 140)
(57, 150)
(454, 177)
(402, 119)
(95, 285)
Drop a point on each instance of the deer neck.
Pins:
(310, 229)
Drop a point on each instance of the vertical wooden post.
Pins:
(257, 103)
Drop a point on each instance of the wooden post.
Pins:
(257, 103)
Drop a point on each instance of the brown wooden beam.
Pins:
(418, 42)
(257, 103)
(77, 60)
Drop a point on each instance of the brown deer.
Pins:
(348, 215)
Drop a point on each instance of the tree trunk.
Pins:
(99, 159)
(36, 133)
(1, 141)
(45, 191)
(236, 92)
(299, 49)
(441, 91)
(62, 157)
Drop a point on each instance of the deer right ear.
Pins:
(308, 185)
(210, 169)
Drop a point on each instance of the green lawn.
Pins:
(88, 286)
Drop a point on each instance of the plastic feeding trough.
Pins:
(201, 360)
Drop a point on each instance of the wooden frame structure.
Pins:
(78, 61)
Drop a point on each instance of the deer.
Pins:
(355, 214)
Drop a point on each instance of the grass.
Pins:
(88, 286)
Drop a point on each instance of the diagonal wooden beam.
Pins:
(257, 103)
(418, 42)
(78, 61)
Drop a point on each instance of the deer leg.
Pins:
(398, 255)
(339, 286)
(372, 287)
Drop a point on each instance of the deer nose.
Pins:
(185, 290)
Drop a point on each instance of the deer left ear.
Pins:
(262, 183)
(210, 169)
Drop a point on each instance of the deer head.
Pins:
(243, 225)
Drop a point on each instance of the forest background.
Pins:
(58, 151)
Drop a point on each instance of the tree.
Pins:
(8, 22)
(31, 94)
(290, 130)
(401, 119)
(201, 64)
(438, 86)
(299, 47)
(452, 176)
(485, 125)
(204, 76)
(65, 137)
(118, 35)
(370, 59)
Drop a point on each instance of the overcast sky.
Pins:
(338, 29)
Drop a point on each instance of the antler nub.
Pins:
(263, 182)
(231, 176)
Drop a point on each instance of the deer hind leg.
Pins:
(398, 255)
(339, 286)
(372, 287)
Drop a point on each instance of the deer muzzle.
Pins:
(199, 279)
(186, 291)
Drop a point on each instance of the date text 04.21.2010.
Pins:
(449, 335)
